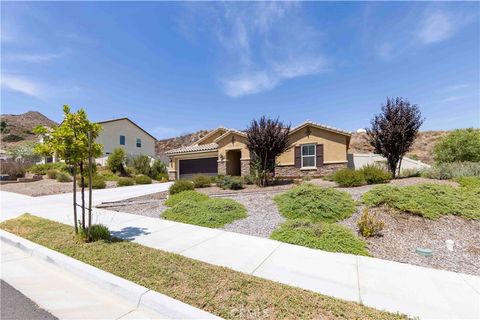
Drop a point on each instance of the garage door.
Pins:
(207, 166)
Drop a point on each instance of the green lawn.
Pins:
(429, 200)
(226, 293)
(314, 203)
(320, 235)
(195, 208)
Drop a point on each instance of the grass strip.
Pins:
(221, 291)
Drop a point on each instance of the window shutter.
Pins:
(319, 155)
(298, 160)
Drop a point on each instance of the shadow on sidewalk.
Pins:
(129, 233)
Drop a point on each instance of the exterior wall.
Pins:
(110, 138)
(292, 172)
(245, 167)
(222, 167)
(212, 137)
(238, 143)
(173, 165)
(334, 145)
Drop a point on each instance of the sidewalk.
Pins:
(417, 291)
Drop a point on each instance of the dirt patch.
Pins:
(44, 187)
(404, 232)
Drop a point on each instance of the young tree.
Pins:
(266, 139)
(458, 145)
(69, 141)
(394, 130)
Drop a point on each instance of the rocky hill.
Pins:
(17, 128)
(172, 143)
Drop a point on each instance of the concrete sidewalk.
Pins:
(417, 291)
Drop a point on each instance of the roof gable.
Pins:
(127, 119)
(220, 130)
(228, 132)
(320, 126)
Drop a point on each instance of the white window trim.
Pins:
(314, 155)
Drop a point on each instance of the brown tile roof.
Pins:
(195, 148)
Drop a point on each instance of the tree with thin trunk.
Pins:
(266, 140)
(394, 130)
(70, 142)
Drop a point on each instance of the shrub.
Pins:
(201, 181)
(453, 170)
(180, 185)
(12, 138)
(185, 195)
(249, 179)
(123, 182)
(348, 178)
(43, 168)
(428, 200)
(142, 164)
(317, 204)
(130, 171)
(406, 173)
(374, 174)
(212, 213)
(369, 224)
(320, 235)
(15, 169)
(163, 177)
(158, 168)
(98, 182)
(469, 182)
(52, 174)
(142, 179)
(63, 177)
(459, 145)
(97, 232)
(116, 160)
(228, 182)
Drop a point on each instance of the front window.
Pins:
(122, 140)
(308, 155)
(139, 143)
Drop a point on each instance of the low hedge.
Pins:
(143, 179)
(185, 195)
(349, 178)
(98, 182)
(181, 185)
(124, 182)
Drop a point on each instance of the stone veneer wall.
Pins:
(222, 167)
(245, 167)
(172, 175)
(292, 172)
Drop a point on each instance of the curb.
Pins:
(136, 294)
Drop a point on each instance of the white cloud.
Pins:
(437, 26)
(36, 57)
(262, 44)
(22, 85)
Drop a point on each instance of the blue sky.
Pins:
(179, 67)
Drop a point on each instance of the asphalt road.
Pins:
(16, 306)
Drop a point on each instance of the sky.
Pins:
(178, 67)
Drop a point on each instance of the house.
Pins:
(314, 150)
(126, 134)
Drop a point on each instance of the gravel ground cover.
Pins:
(43, 187)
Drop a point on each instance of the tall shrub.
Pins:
(460, 145)
(116, 161)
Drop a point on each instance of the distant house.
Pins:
(314, 150)
(126, 134)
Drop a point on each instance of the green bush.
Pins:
(162, 177)
(12, 138)
(116, 161)
(213, 213)
(185, 195)
(452, 170)
(469, 182)
(320, 235)
(98, 182)
(158, 168)
(374, 174)
(201, 181)
(124, 182)
(459, 145)
(428, 200)
(249, 179)
(97, 232)
(228, 182)
(317, 204)
(181, 185)
(369, 224)
(142, 164)
(43, 168)
(348, 178)
(52, 174)
(142, 179)
(63, 177)
(406, 173)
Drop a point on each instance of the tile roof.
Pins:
(195, 148)
(323, 126)
(243, 134)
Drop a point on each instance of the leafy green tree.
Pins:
(70, 142)
(116, 161)
(25, 151)
(460, 145)
(394, 130)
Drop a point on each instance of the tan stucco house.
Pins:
(126, 134)
(314, 150)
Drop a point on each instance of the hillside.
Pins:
(19, 127)
(176, 142)
(422, 148)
